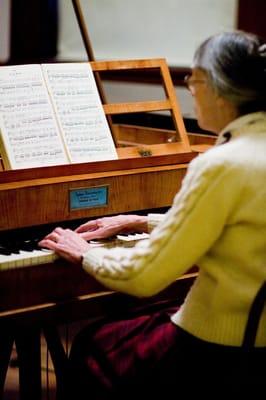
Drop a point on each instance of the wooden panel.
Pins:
(125, 108)
(37, 292)
(23, 204)
(144, 135)
(141, 135)
(115, 65)
(43, 284)
(128, 159)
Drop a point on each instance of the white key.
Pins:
(133, 237)
(27, 258)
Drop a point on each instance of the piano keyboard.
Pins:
(31, 255)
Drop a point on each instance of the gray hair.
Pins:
(235, 63)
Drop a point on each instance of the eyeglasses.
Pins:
(191, 82)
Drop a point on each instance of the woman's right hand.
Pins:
(105, 227)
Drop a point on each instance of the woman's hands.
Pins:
(72, 245)
(109, 226)
(66, 244)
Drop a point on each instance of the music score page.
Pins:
(51, 114)
(79, 110)
(30, 133)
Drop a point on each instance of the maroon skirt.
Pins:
(149, 356)
(109, 358)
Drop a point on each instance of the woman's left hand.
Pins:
(66, 243)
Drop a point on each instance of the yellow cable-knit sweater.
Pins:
(218, 222)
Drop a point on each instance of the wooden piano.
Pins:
(38, 291)
(146, 176)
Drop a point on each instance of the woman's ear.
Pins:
(223, 103)
(227, 110)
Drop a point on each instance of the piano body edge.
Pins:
(61, 292)
(132, 184)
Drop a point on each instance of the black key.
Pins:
(5, 251)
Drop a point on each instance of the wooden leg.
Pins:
(28, 345)
(59, 359)
(6, 343)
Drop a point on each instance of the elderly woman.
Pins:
(217, 221)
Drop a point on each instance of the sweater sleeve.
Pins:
(188, 230)
(154, 220)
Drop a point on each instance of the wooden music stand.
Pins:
(168, 104)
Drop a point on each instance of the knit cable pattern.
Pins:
(120, 263)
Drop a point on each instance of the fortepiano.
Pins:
(42, 291)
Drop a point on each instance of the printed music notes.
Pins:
(30, 134)
(78, 107)
(51, 114)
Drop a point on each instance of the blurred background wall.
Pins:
(47, 31)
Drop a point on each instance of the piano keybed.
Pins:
(31, 276)
(19, 248)
(27, 253)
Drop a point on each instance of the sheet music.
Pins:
(31, 134)
(80, 114)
